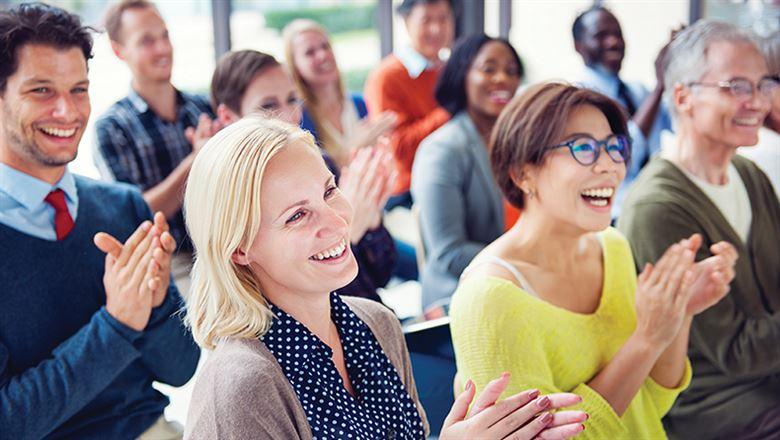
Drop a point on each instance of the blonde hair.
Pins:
(292, 30)
(222, 213)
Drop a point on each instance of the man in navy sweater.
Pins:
(82, 335)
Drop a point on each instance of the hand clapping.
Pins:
(137, 274)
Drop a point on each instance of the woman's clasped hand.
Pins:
(523, 416)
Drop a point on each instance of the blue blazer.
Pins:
(307, 123)
(459, 204)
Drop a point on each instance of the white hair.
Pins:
(686, 59)
(222, 213)
(770, 47)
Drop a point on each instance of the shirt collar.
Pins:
(141, 106)
(599, 78)
(29, 191)
(414, 63)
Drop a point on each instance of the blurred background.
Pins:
(363, 31)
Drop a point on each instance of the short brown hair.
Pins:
(535, 120)
(233, 74)
(113, 18)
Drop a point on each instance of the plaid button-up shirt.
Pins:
(134, 145)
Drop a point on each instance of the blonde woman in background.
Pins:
(292, 359)
(335, 117)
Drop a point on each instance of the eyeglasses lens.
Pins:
(584, 150)
(769, 86)
(741, 88)
(617, 148)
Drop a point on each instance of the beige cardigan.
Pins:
(242, 393)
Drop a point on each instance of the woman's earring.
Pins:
(531, 194)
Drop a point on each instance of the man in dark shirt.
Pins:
(146, 138)
(598, 38)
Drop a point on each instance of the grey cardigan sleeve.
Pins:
(439, 177)
(242, 394)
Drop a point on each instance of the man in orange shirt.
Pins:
(404, 82)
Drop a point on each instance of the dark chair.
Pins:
(433, 365)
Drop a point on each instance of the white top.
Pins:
(766, 154)
(349, 125)
(492, 259)
(732, 200)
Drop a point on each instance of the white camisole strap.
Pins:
(492, 259)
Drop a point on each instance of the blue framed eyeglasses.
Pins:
(586, 150)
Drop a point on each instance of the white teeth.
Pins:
(331, 253)
(746, 121)
(598, 202)
(58, 132)
(501, 94)
(603, 193)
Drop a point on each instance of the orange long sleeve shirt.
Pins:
(389, 87)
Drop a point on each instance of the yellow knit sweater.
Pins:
(497, 327)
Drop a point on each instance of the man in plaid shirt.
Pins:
(150, 138)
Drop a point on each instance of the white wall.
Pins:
(541, 33)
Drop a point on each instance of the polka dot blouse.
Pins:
(381, 407)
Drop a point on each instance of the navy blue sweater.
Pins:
(67, 368)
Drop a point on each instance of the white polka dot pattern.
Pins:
(381, 408)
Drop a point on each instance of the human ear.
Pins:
(117, 47)
(523, 178)
(226, 116)
(240, 257)
(682, 98)
(578, 48)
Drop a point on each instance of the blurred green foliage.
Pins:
(335, 19)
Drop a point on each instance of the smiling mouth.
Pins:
(501, 95)
(613, 54)
(58, 132)
(332, 253)
(598, 196)
(747, 122)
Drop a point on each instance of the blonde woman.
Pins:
(337, 119)
(291, 359)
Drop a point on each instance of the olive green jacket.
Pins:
(735, 345)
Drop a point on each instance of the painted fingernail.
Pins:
(543, 402)
(469, 385)
(504, 375)
(533, 394)
(546, 418)
(145, 226)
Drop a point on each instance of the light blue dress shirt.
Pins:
(642, 147)
(22, 205)
(413, 61)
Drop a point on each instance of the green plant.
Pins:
(335, 19)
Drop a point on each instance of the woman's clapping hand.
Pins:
(526, 415)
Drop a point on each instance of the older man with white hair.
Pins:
(718, 88)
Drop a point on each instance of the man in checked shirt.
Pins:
(150, 138)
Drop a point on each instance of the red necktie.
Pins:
(63, 222)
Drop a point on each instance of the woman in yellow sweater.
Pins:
(556, 300)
